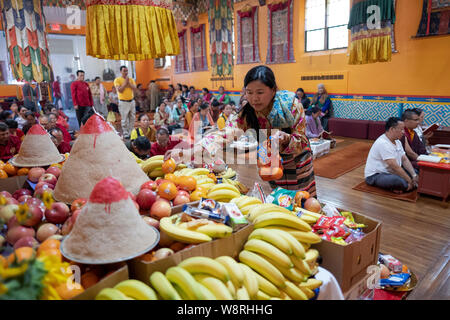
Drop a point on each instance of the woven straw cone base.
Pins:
(37, 150)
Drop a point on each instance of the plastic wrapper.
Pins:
(282, 197)
(233, 216)
(257, 192)
(355, 235)
(330, 210)
(395, 280)
(209, 204)
(203, 214)
(392, 263)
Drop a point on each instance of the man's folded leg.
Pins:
(388, 181)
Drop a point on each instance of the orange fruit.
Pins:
(49, 244)
(202, 189)
(89, 279)
(167, 190)
(3, 174)
(169, 166)
(66, 292)
(23, 253)
(56, 165)
(304, 194)
(197, 195)
(171, 177)
(148, 257)
(2, 164)
(3, 261)
(10, 169)
(187, 183)
(23, 171)
(277, 173)
(212, 176)
(51, 252)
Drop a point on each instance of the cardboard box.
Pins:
(360, 291)
(230, 246)
(349, 263)
(12, 184)
(107, 282)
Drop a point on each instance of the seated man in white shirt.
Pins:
(387, 165)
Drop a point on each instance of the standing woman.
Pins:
(268, 108)
(323, 102)
(99, 96)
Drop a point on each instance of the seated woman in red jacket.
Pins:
(58, 139)
(163, 143)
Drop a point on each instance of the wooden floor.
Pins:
(416, 233)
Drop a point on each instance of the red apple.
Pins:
(183, 192)
(45, 231)
(40, 192)
(35, 173)
(8, 212)
(13, 223)
(160, 209)
(54, 171)
(24, 198)
(35, 201)
(159, 181)
(78, 204)
(35, 215)
(67, 226)
(11, 201)
(150, 185)
(49, 178)
(75, 215)
(44, 185)
(26, 242)
(6, 194)
(21, 192)
(58, 213)
(146, 198)
(181, 199)
(16, 233)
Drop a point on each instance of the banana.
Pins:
(242, 294)
(266, 208)
(311, 284)
(262, 296)
(180, 166)
(242, 187)
(290, 273)
(273, 238)
(281, 219)
(207, 295)
(180, 234)
(221, 195)
(181, 293)
(268, 250)
(110, 294)
(306, 246)
(250, 281)
(205, 265)
(205, 181)
(226, 186)
(231, 288)
(302, 236)
(234, 270)
(199, 171)
(163, 286)
(284, 296)
(266, 286)
(311, 257)
(215, 286)
(310, 213)
(308, 292)
(151, 165)
(263, 267)
(185, 281)
(297, 248)
(308, 219)
(157, 173)
(301, 265)
(246, 201)
(245, 210)
(238, 200)
(274, 298)
(136, 289)
(294, 292)
(215, 230)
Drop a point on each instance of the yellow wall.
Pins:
(421, 66)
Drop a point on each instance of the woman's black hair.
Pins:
(12, 124)
(267, 77)
(206, 89)
(141, 115)
(5, 114)
(204, 106)
(314, 110)
(96, 78)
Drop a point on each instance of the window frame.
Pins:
(326, 37)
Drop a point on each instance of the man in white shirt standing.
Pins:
(387, 165)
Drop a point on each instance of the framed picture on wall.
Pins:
(159, 63)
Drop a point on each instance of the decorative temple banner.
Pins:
(220, 17)
(280, 48)
(371, 40)
(181, 60)
(65, 3)
(435, 18)
(198, 41)
(26, 41)
(130, 29)
(247, 35)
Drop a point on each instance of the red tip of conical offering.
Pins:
(95, 124)
(37, 129)
(108, 190)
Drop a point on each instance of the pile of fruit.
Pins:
(7, 170)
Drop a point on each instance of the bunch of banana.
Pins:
(242, 188)
(169, 226)
(128, 290)
(208, 227)
(223, 192)
(245, 203)
(308, 216)
(264, 208)
(227, 174)
(153, 166)
(281, 264)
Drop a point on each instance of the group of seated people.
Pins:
(15, 123)
(392, 160)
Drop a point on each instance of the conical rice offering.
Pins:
(109, 228)
(97, 153)
(37, 149)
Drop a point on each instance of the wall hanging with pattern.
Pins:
(26, 39)
(181, 60)
(220, 19)
(247, 35)
(435, 18)
(198, 52)
(130, 29)
(371, 41)
(280, 48)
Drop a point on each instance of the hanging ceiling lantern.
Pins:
(130, 29)
(26, 39)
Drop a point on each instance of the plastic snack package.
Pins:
(330, 210)
(203, 214)
(282, 197)
(233, 216)
(257, 192)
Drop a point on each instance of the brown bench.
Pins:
(352, 128)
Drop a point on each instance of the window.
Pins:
(326, 24)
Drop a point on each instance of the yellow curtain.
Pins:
(370, 50)
(137, 30)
